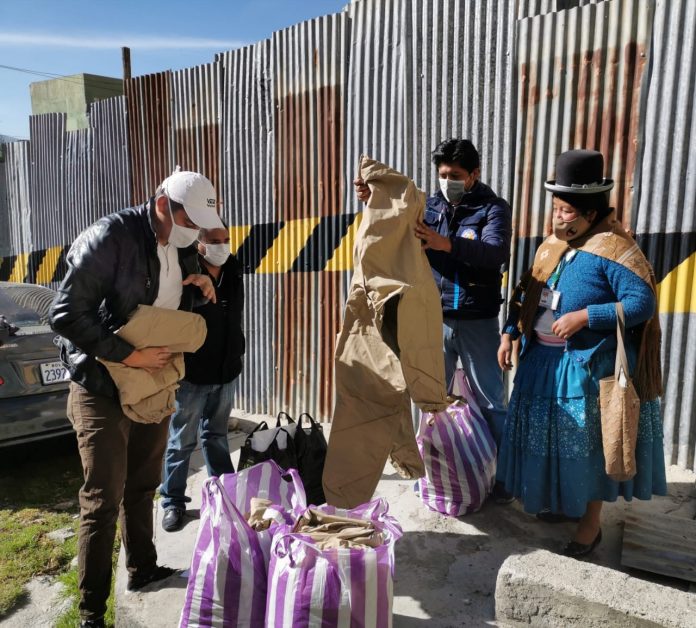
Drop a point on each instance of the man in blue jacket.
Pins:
(466, 234)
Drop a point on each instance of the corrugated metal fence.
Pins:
(309, 62)
(665, 212)
(280, 125)
(247, 167)
(110, 167)
(579, 85)
(15, 200)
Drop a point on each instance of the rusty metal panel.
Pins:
(246, 171)
(195, 119)
(310, 62)
(149, 111)
(664, 216)
(579, 86)
(310, 318)
(47, 182)
(110, 169)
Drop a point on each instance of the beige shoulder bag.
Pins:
(620, 407)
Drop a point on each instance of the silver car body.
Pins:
(34, 382)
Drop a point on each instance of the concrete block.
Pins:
(545, 589)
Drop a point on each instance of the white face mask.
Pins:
(216, 254)
(454, 191)
(181, 237)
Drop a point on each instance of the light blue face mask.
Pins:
(454, 191)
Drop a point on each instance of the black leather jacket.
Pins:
(112, 268)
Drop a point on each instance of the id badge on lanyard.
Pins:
(550, 299)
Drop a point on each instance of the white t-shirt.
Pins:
(542, 327)
(170, 288)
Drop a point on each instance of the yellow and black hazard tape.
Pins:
(326, 244)
(301, 245)
(44, 266)
(304, 245)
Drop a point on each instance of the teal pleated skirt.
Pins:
(551, 452)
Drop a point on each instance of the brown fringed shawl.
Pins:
(609, 240)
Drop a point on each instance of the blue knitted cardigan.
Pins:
(596, 283)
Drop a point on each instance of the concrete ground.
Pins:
(446, 569)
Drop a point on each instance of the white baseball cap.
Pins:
(197, 194)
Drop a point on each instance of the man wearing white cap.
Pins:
(137, 256)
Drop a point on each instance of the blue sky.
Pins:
(74, 36)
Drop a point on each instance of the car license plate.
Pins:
(53, 373)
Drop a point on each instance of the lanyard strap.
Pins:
(621, 362)
(556, 275)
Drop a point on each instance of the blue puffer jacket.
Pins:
(480, 228)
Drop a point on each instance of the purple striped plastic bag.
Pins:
(459, 455)
(461, 388)
(344, 587)
(229, 569)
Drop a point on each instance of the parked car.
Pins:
(33, 380)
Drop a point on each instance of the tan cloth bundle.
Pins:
(148, 397)
(334, 531)
(620, 409)
(255, 517)
(389, 350)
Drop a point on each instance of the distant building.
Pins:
(73, 95)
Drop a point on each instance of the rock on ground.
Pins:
(44, 605)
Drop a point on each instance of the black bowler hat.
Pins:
(579, 172)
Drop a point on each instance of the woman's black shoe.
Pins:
(500, 495)
(575, 550)
(554, 517)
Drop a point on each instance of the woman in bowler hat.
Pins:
(563, 309)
